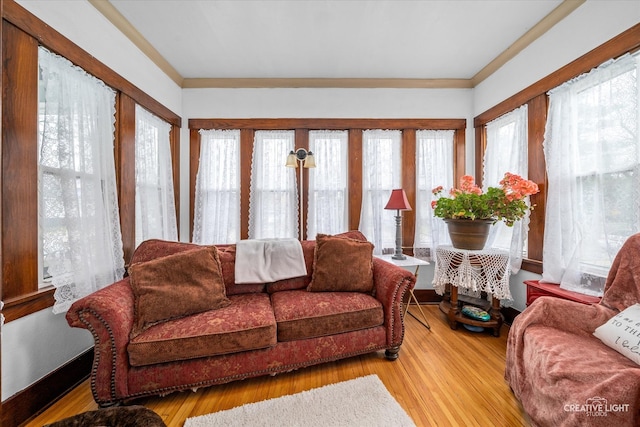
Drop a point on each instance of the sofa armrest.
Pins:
(108, 315)
(390, 283)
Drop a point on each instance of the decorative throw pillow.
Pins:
(342, 264)
(622, 333)
(176, 286)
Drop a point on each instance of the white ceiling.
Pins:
(332, 39)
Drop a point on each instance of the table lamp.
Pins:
(399, 202)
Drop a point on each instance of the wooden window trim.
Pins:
(535, 96)
(302, 127)
(22, 33)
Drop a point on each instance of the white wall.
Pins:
(35, 345)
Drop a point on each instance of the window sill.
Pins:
(15, 308)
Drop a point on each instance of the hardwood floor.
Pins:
(442, 378)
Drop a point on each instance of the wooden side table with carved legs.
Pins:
(475, 271)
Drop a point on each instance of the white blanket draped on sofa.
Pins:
(268, 260)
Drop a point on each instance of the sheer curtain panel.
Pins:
(507, 152)
(328, 183)
(381, 155)
(273, 201)
(434, 167)
(592, 152)
(79, 220)
(155, 204)
(217, 200)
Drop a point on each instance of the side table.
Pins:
(535, 289)
(409, 261)
(475, 272)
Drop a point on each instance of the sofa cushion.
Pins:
(175, 286)
(622, 333)
(342, 264)
(301, 314)
(247, 324)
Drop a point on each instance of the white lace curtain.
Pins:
(507, 152)
(434, 167)
(79, 220)
(328, 183)
(273, 205)
(155, 204)
(217, 200)
(381, 166)
(592, 153)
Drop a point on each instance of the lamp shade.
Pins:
(292, 161)
(309, 161)
(398, 201)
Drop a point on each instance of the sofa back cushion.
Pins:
(176, 286)
(622, 288)
(342, 264)
(156, 248)
(309, 252)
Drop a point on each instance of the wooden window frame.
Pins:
(302, 127)
(535, 96)
(22, 33)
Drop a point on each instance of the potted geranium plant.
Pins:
(468, 208)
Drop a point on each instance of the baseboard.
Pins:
(39, 396)
(427, 296)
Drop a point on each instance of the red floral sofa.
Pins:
(252, 330)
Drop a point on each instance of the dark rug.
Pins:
(121, 416)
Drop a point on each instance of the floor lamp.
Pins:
(306, 160)
(399, 202)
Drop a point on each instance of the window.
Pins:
(507, 152)
(334, 189)
(273, 201)
(381, 163)
(434, 167)
(592, 150)
(217, 204)
(328, 183)
(81, 244)
(155, 204)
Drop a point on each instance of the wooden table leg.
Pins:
(496, 315)
(453, 310)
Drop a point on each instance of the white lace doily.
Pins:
(473, 271)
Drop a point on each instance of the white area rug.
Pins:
(363, 401)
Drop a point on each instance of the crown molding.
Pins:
(119, 21)
(325, 83)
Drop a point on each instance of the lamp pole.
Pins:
(303, 159)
